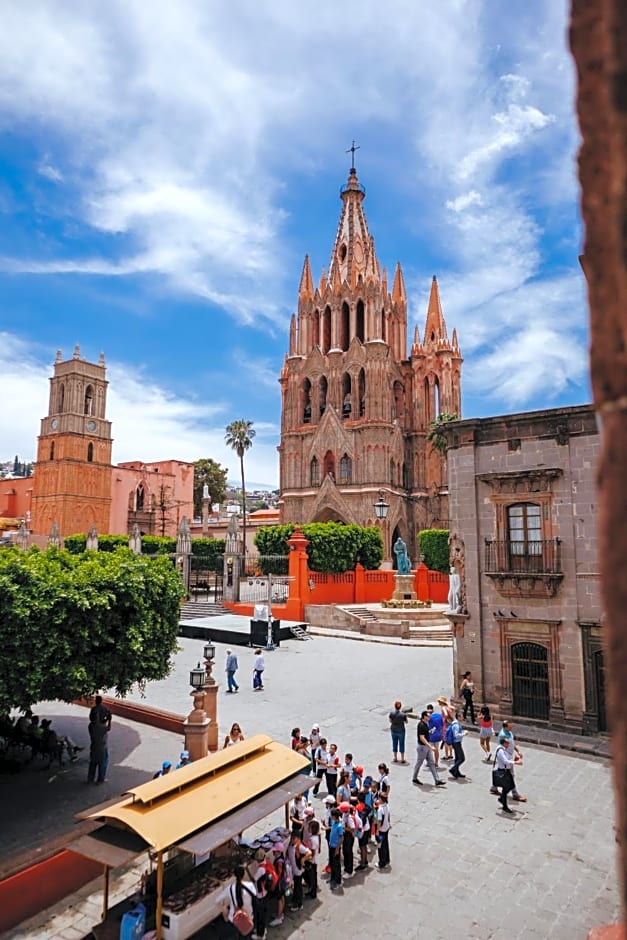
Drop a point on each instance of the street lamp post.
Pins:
(381, 510)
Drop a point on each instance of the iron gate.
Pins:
(599, 681)
(530, 680)
(206, 578)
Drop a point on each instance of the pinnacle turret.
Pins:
(306, 289)
(435, 326)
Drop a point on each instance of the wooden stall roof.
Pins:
(166, 811)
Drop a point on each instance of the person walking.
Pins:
(332, 769)
(507, 732)
(258, 670)
(457, 734)
(425, 752)
(467, 691)
(383, 827)
(448, 715)
(230, 667)
(436, 732)
(504, 759)
(486, 730)
(321, 757)
(398, 722)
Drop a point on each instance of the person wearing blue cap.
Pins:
(183, 760)
(166, 767)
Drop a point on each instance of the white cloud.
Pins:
(49, 172)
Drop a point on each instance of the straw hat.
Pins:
(443, 700)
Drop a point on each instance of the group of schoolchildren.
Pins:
(356, 817)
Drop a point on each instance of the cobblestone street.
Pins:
(460, 867)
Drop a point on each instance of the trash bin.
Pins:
(133, 924)
(259, 633)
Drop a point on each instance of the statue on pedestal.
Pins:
(454, 592)
(402, 558)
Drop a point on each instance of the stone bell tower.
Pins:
(72, 483)
(355, 406)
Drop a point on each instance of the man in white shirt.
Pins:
(383, 827)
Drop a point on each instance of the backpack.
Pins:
(286, 878)
(270, 877)
(448, 737)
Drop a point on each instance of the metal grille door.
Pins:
(530, 680)
(599, 678)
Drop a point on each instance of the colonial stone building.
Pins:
(523, 539)
(75, 485)
(355, 406)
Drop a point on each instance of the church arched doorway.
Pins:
(329, 514)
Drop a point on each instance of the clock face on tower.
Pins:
(91, 425)
(54, 424)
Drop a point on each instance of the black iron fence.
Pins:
(509, 556)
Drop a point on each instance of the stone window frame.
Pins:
(510, 488)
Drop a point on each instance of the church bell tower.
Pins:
(72, 483)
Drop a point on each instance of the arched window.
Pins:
(314, 472)
(346, 396)
(52, 450)
(524, 533)
(346, 469)
(345, 327)
(405, 472)
(326, 330)
(140, 497)
(329, 465)
(359, 326)
(392, 472)
(399, 401)
(362, 393)
(323, 394)
(436, 397)
(384, 327)
(90, 452)
(306, 402)
(316, 328)
(61, 399)
(89, 400)
(429, 416)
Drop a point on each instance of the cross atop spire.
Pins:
(352, 150)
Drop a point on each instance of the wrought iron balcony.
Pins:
(511, 558)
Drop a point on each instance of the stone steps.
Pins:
(193, 609)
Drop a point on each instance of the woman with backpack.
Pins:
(239, 909)
(283, 883)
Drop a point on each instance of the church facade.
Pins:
(356, 406)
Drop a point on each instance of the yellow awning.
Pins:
(169, 809)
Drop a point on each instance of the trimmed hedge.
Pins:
(433, 544)
(333, 548)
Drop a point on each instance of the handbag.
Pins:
(502, 778)
(242, 921)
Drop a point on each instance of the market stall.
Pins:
(189, 821)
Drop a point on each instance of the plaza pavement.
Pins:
(459, 866)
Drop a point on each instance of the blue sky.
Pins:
(165, 167)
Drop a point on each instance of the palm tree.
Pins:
(239, 435)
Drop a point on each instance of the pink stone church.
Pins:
(356, 405)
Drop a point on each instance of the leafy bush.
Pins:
(72, 624)
(207, 554)
(158, 545)
(75, 544)
(333, 547)
(109, 543)
(433, 544)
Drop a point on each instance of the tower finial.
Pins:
(352, 150)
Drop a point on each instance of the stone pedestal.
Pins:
(404, 588)
(211, 708)
(196, 727)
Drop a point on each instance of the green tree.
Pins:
(433, 544)
(435, 435)
(73, 624)
(239, 435)
(211, 473)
